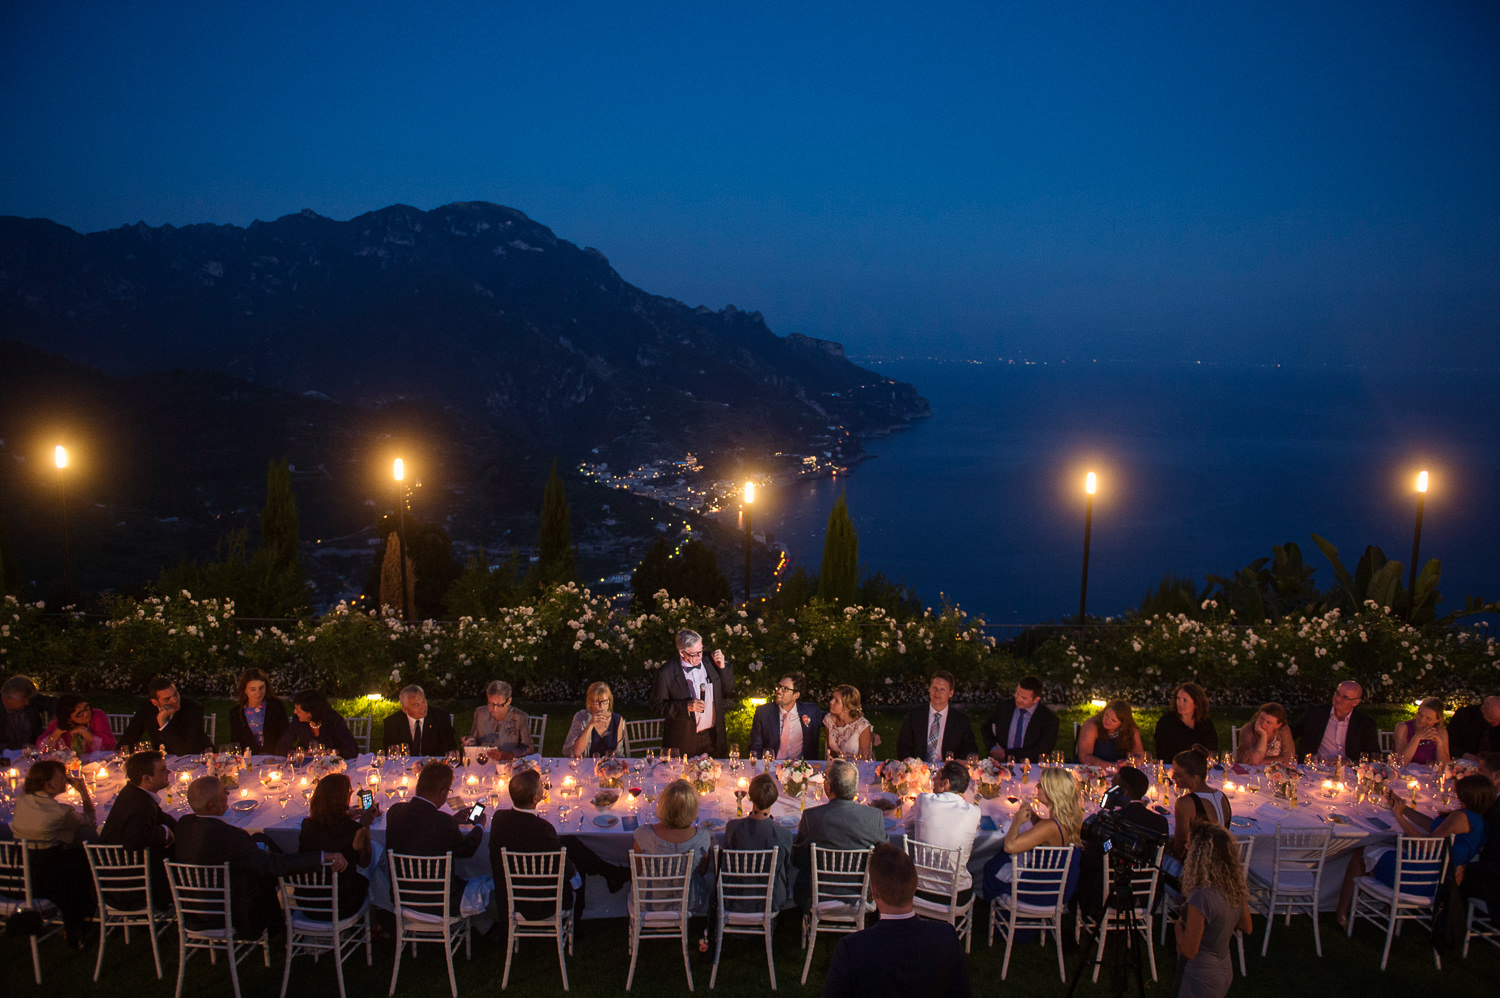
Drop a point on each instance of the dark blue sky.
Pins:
(1062, 181)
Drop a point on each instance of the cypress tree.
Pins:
(839, 577)
(555, 551)
(280, 583)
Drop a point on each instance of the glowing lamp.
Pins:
(400, 469)
(60, 455)
(1421, 478)
(1091, 483)
(749, 492)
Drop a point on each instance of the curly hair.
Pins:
(1213, 860)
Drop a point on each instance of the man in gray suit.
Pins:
(839, 824)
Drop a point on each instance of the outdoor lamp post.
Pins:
(1416, 545)
(749, 498)
(60, 455)
(1090, 486)
(400, 472)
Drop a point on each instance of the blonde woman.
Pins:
(597, 730)
(1215, 904)
(1054, 818)
(848, 730)
(1110, 736)
(1424, 741)
(675, 833)
(1267, 738)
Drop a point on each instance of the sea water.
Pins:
(1202, 469)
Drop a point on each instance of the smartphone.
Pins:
(475, 813)
(366, 799)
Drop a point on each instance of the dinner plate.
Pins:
(1240, 821)
(789, 821)
(245, 805)
(712, 824)
(606, 820)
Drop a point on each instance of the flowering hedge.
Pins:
(568, 637)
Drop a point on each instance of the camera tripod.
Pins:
(1121, 899)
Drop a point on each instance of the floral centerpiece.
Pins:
(323, 765)
(610, 771)
(987, 775)
(905, 777)
(702, 772)
(796, 775)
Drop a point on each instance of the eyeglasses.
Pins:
(502, 703)
(692, 654)
(786, 689)
(1347, 698)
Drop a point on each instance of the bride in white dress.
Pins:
(849, 733)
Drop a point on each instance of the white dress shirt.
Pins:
(697, 678)
(1335, 737)
(950, 822)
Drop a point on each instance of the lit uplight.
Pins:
(1091, 483)
(1421, 479)
(756, 701)
(61, 456)
(400, 469)
(372, 696)
(1096, 703)
(749, 493)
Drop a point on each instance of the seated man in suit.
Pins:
(787, 727)
(137, 822)
(936, 730)
(1475, 730)
(1021, 728)
(421, 732)
(943, 818)
(839, 824)
(420, 826)
(1326, 733)
(21, 713)
(205, 838)
(167, 720)
(929, 959)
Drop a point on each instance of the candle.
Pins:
(102, 774)
(275, 776)
(744, 783)
(405, 781)
(472, 781)
(244, 792)
(374, 779)
(184, 777)
(302, 782)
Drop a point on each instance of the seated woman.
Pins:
(55, 833)
(597, 730)
(759, 831)
(83, 730)
(333, 825)
(259, 720)
(1216, 903)
(1199, 803)
(500, 725)
(1110, 737)
(677, 806)
(847, 729)
(1477, 795)
(1187, 726)
(315, 723)
(1267, 738)
(1423, 741)
(1054, 818)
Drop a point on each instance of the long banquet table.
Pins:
(271, 798)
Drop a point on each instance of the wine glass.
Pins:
(739, 801)
(634, 793)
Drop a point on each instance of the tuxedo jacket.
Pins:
(1361, 737)
(928, 961)
(437, 734)
(524, 831)
(275, 726)
(183, 735)
(958, 735)
(765, 728)
(252, 871)
(136, 821)
(1040, 737)
(671, 695)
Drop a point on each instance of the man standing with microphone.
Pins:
(690, 695)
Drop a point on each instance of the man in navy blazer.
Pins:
(138, 823)
(1009, 739)
(422, 732)
(955, 734)
(930, 959)
(802, 719)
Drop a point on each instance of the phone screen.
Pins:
(366, 799)
(476, 812)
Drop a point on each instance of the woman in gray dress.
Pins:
(1216, 903)
(674, 833)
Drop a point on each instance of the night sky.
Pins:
(1147, 181)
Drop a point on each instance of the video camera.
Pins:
(1119, 837)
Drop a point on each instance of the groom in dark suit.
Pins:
(802, 720)
(691, 696)
(936, 729)
(929, 957)
(1021, 728)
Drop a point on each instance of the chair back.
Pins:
(534, 881)
(1244, 847)
(201, 896)
(747, 879)
(211, 728)
(419, 885)
(311, 896)
(1420, 865)
(1143, 880)
(121, 877)
(1300, 853)
(538, 729)
(1041, 876)
(1387, 740)
(937, 868)
(660, 883)
(118, 723)
(15, 873)
(642, 736)
(839, 875)
(359, 727)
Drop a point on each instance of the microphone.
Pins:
(702, 692)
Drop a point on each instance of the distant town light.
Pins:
(61, 456)
(1421, 478)
(1091, 483)
(400, 469)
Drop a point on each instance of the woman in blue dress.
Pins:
(597, 730)
(1110, 737)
